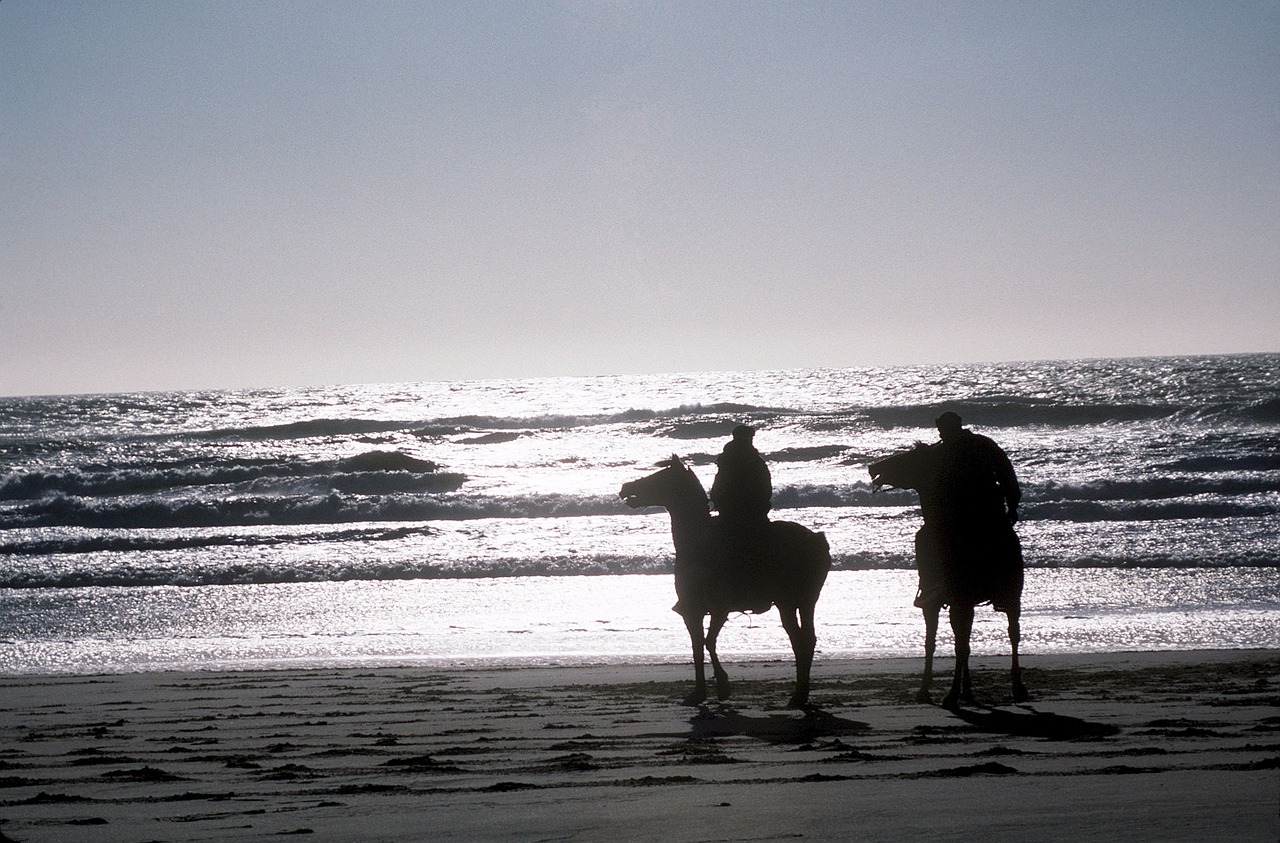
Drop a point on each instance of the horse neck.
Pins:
(689, 522)
(922, 481)
(930, 509)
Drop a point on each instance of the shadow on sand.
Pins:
(721, 721)
(1029, 723)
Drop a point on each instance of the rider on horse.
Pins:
(977, 504)
(743, 493)
(977, 476)
(743, 489)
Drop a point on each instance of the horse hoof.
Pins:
(924, 697)
(951, 702)
(1020, 694)
(696, 698)
(798, 701)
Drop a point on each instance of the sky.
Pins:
(205, 195)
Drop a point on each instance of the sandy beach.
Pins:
(1139, 746)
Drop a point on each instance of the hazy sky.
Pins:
(221, 194)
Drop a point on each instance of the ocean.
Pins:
(479, 522)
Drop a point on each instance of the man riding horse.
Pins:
(967, 552)
(975, 506)
(742, 494)
(978, 468)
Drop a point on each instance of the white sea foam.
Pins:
(577, 620)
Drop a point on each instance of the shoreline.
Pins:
(1168, 745)
(619, 619)
(554, 669)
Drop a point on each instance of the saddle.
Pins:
(745, 563)
(971, 566)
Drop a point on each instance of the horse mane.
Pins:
(889, 471)
(692, 486)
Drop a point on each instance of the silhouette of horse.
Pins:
(962, 562)
(789, 572)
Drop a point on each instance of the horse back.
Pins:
(789, 569)
(798, 535)
(802, 556)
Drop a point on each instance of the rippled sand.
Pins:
(1147, 746)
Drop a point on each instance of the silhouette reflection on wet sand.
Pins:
(726, 721)
(1027, 722)
(817, 724)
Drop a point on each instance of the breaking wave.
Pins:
(244, 569)
(370, 472)
(370, 502)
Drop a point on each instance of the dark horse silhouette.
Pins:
(964, 559)
(792, 567)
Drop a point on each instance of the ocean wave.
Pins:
(399, 495)
(1174, 509)
(1226, 463)
(368, 473)
(1014, 412)
(817, 453)
(845, 495)
(125, 541)
(492, 438)
(1101, 500)
(290, 510)
(1154, 488)
(726, 414)
(717, 420)
(683, 422)
(383, 461)
(710, 429)
(266, 570)
(1260, 411)
(300, 429)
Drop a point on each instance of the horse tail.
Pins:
(811, 559)
(821, 549)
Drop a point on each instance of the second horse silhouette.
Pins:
(710, 582)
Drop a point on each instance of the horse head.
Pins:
(675, 484)
(910, 469)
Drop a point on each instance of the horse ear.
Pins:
(675, 461)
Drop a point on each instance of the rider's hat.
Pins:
(948, 421)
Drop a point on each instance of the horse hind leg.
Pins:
(1020, 694)
(699, 693)
(804, 660)
(962, 628)
(713, 631)
(931, 613)
(798, 622)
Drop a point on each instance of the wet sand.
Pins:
(1134, 746)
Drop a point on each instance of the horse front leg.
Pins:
(699, 693)
(930, 645)
(1020, 694)
(804, 641)
(713, 631)
(962, 629)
